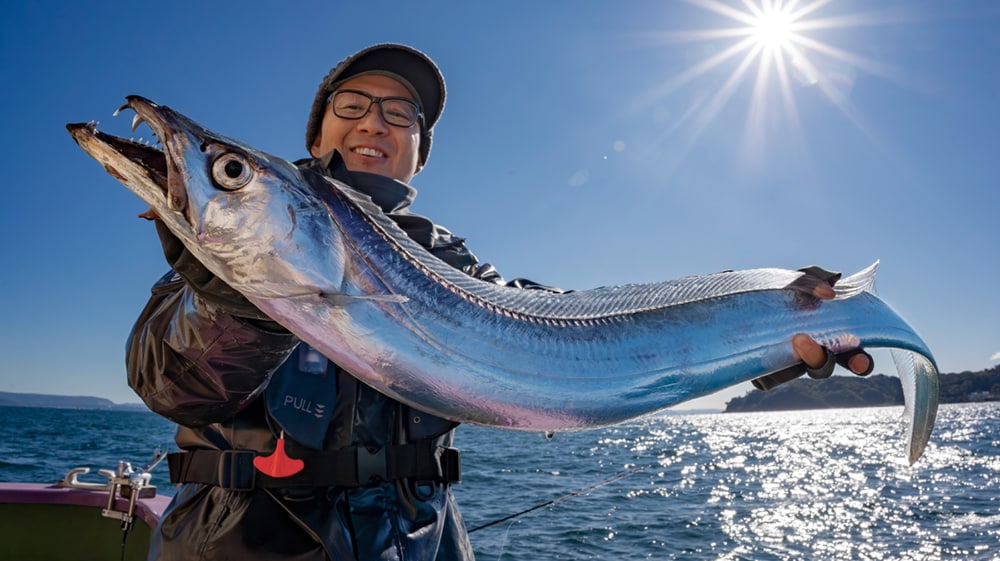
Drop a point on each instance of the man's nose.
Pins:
(372, 121)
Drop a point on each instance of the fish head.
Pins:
(247, 216)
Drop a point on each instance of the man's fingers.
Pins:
(824, 291)
(818, 357)
(817, 282)
(819, 361)
(813, 286)
(857, 361)
(808, 351)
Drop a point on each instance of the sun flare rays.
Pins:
(773, 50)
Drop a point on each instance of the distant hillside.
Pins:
(10, 399)
(872, 391)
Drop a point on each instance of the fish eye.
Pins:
(232, 171)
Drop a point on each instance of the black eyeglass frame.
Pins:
(372, 100)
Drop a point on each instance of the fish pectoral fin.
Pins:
(277, 291)
(343, 300)
(283, 291)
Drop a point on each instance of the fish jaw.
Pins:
(147, 171)
(223, 227)
(139, 167)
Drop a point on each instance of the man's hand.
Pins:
(815, 356)
(818, 361)
(819, 282)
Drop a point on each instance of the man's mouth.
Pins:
(368, 151)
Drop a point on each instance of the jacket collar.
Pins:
(389, 194)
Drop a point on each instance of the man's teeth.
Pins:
(369, 152)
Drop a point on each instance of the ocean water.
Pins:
(830, 484)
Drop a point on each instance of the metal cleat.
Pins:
(126, 483)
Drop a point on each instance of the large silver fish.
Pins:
(326, 263)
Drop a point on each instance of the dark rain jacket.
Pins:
(238, 384)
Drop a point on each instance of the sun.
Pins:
(773, 29)
(774, 48)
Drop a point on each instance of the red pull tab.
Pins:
(278, 464)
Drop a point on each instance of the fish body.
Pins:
(323, 261)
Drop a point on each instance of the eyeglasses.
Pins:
(353, 105)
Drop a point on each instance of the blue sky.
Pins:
(583, 144)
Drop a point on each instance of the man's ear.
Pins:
(314, 149)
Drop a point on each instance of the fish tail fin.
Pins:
(919, 378)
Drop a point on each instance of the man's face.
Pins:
(370, 144)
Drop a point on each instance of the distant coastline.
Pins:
(872, 391)
(12, 399)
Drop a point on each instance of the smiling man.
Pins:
(373, 124)
(378, 109)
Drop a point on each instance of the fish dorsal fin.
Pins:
(590, 304)
(862, 281)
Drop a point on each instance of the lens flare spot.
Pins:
(579, 178)
(803, 72)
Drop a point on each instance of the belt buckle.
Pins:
(236, 470)
(371, 465)
(451, 465)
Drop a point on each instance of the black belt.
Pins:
(354, 466)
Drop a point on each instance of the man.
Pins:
(286, 456)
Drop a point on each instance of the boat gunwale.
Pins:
(149, 510)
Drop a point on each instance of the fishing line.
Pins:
(503, 543)
(124, 537)
(581, 491)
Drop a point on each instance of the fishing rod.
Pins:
(581, 491)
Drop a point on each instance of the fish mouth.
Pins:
(126, 158)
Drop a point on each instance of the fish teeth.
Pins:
(137, 120)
